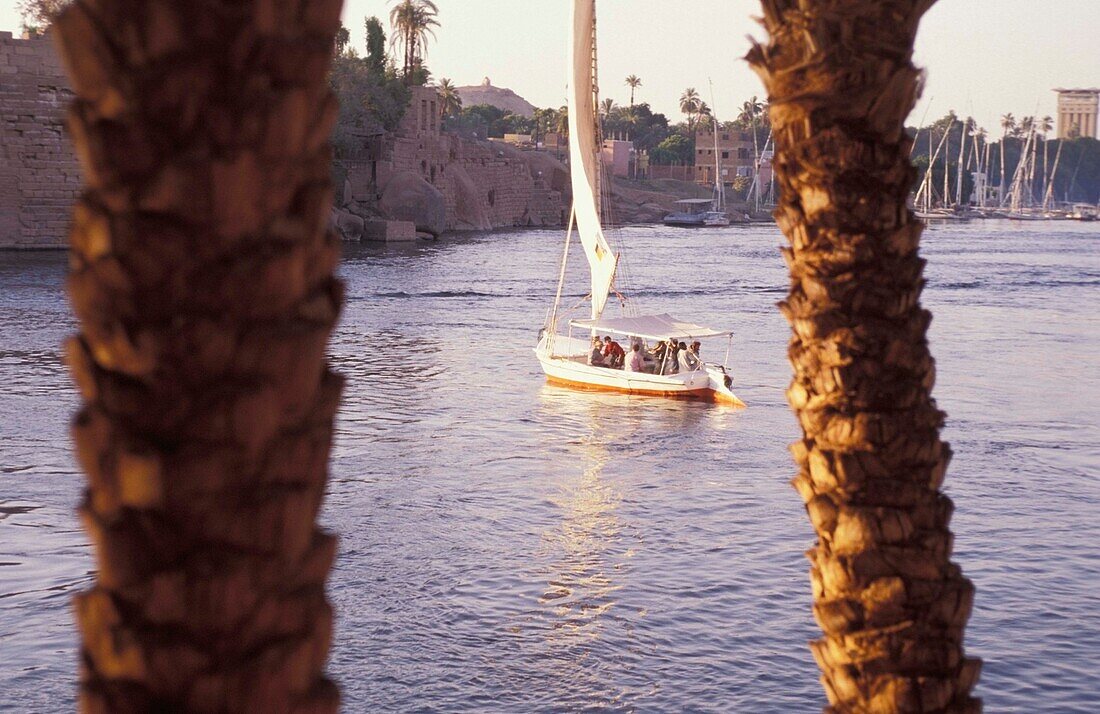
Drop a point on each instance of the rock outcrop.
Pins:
(468, 213)
(347, 224)
(408, 197)
(499, 97)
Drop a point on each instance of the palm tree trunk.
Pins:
(891, 604)
(202, 278)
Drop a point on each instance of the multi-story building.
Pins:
(736, 155)
(1077, 112)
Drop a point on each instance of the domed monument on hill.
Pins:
(499, 97)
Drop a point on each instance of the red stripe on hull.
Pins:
(706, 394)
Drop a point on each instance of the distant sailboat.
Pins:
(567, 360)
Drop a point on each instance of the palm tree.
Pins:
(1008, 124)
(450, 103)
(690, 102)
(705, 116)
(633, 82)
(606, 107)
(412, 22)
(202, 277)
(750, 112)
(891, 604)
(562, 126)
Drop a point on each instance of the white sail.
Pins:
(584, 153)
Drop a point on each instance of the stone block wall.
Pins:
(39, 175)
(485, 184)
(507, 194)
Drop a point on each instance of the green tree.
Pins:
(633, 82)
(690, 102)
(413, 22)
(562, 117)
(1008, 125)
(342, 40)
(39, 14)
(676, 149)
(370, 102)
(376, 45)
(706, 117)
(751, 111)
(450, 103)
(645, 128)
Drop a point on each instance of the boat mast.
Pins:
(1049, 193)
(946, 199)
(1019, 177)
(597, 128)
(976, 156)
(926, 185)
(961, 166)
(719, 188)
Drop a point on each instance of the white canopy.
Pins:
(650, 327)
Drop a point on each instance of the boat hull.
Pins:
(708, 383)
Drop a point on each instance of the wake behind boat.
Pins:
(657, 360)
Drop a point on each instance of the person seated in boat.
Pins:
(695, 347)
(672, 364)
(686, 359)
(636, 361)
(659, 352)
(595, 357)
(613, 353)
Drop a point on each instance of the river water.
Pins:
(508, 546)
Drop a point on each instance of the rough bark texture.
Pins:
(889, 601)
(202, 276)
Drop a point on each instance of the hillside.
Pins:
(506, 99)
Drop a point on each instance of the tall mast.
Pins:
(1049, 193)
(946, 167)
(597, 128)
(961, 166)
(719, 188)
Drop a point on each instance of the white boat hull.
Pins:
(709, 382)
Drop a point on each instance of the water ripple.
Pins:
(510, 546)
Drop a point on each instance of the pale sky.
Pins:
(984, 57)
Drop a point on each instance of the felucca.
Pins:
(568, 360)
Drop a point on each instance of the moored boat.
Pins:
(692, 213)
